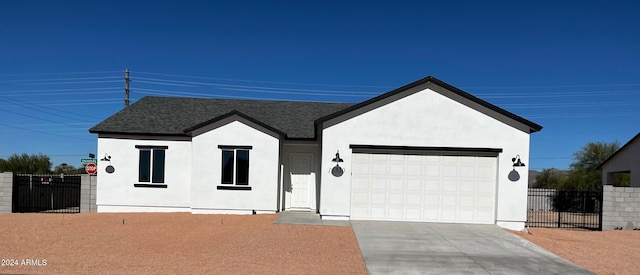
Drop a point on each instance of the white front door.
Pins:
(301, 179)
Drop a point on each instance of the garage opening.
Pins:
(424, 184)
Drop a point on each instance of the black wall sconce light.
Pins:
(337, 171)
(337, 158)
(516, 162)
(106, 158)
(109, 169)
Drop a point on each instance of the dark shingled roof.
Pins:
(294, 119)
(172, 115)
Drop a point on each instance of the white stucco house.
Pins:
(426, 151)
(625, 160)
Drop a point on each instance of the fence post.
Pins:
(558, 210)
(600, 205)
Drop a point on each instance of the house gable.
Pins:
(625, 160)
(231, 117)
(630, 150)
(434, 85)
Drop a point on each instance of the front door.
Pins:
(301, 179)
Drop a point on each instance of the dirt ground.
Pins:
(179, 243)
(605, 252)
(184, 243)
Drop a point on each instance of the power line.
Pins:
(562, 94)
(64, 93)
(68, 73)
(171, 82)
(58, 79)
(551, 86)
(73, 82)
(176, 93)
(34, 117)
(41, 132)
(266, 82)
(77, 102)
(18, 93)
(44, 110)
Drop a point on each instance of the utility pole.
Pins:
(126, 88)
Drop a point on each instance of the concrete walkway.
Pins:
(306, 217)
(435, 248)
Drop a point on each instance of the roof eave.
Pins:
(533, 127)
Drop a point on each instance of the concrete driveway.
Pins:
(438, 248)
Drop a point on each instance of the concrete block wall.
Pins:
(620, 207)
(88, 193)
(6, 192)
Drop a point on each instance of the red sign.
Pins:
(91, 168)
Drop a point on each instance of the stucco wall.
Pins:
(116, 191)
(207, 169)
(626, 160)
(620, 207)
(427, 118)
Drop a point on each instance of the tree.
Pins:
(67, 169)
(589, 157)
(584, 173)
(25, 163)
(550, 178)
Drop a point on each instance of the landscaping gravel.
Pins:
(603, 252)
(173, 243)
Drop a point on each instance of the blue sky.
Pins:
(570, 66)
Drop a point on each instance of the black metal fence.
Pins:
(46, 193)
(565, 208)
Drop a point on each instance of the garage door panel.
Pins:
(414, 185)
(396, 184)
(378, 212)
(413, 214)
(395, 213)
(449, 171)
(413, 199)
(449, 186)
(431, 171)
(378, 199)
(423, 188)
(378, 183)
(396, 200)
(431, 200)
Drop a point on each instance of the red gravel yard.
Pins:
(173, 243)
(606, 252)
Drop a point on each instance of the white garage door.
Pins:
(458, 189)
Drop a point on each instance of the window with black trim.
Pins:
(235, 166)
(151, 163)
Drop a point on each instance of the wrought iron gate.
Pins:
(565, 208)
(46, 193)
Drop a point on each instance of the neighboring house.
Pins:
(625, 160)
(426, 151)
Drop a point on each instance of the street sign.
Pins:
(91, 168)
(85, 161)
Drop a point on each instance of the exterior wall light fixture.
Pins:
(516, 162)
(337, 171)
